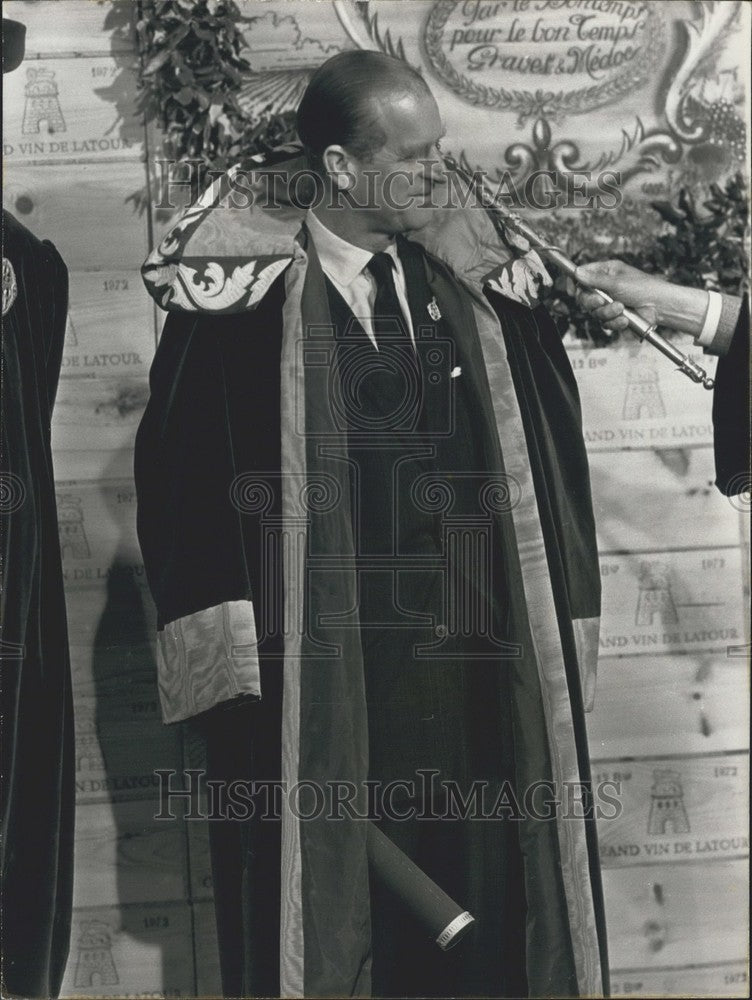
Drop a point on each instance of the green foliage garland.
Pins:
(702, 249)
(191, 70)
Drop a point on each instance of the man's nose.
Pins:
(435, 169)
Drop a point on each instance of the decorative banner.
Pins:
(562, 85)
(595, 56)
(285, 44)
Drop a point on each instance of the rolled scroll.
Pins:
(446, 921)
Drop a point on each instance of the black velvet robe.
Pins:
(37, 710)
(213, 416)
(241, 443)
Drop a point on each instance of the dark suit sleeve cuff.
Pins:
(721, 342)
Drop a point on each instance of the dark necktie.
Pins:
(388, 318)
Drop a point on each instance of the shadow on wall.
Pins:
(122, 91)
(133, 925)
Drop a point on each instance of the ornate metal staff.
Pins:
(503, 218)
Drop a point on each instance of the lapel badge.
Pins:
(433, 309)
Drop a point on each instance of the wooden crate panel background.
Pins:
(677, 915)
(651, 705)
(110, 328)
(85, 29)
(673, 558)
(129, 696)
(632, 397)
(91, 222)
(135, 951)
(68, 111)
(125, 855)
(98, 414)
(668, 602)
(97, 528)
(113, 643)
(116, 761)
(208, 978)
(90, 464)
(660, 499)
(674, 810)
(725, 980)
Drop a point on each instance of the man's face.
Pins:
(399, 181)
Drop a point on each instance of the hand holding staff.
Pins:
(503, 218)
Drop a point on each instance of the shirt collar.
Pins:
(342, 261)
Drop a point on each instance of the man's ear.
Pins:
(338, 166)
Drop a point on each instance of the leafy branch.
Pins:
(192, 67)
(699, 249)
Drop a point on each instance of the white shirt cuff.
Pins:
(712, 315)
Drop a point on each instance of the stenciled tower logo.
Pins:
(667, 811)
(88, 750)
(655, 595)
(643, 396)
(95, 965)
(70, 522)
(42, 103)
(71, 334)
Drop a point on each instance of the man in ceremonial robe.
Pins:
(37, 764)
(365, 514)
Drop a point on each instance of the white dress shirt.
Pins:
(718, 327)
(710, 324)
(344, 265)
